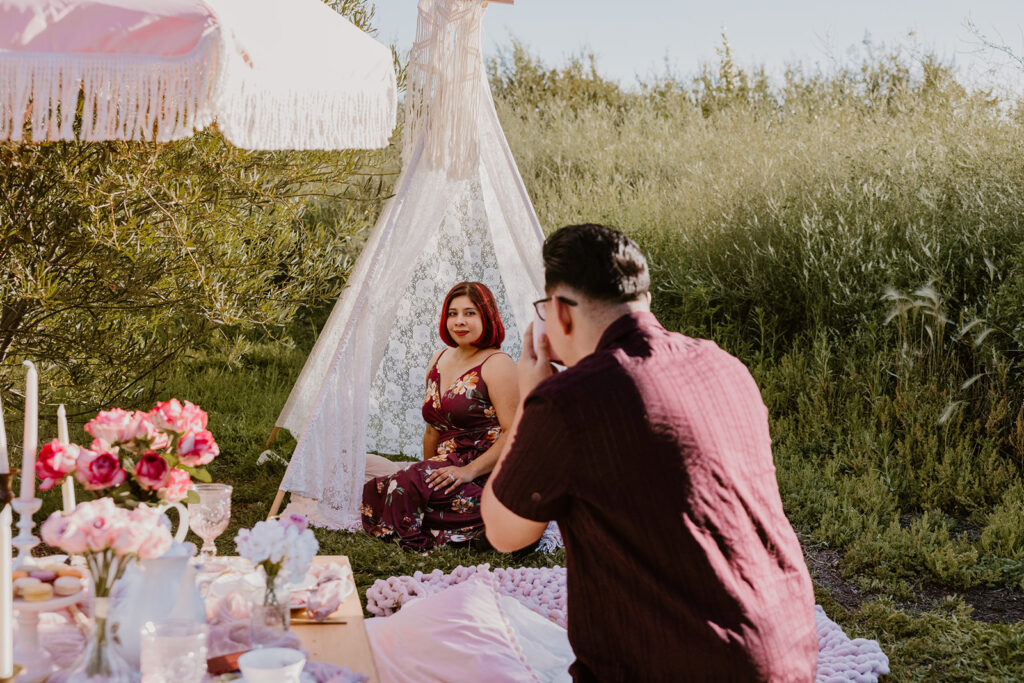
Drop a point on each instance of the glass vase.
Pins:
(101, 659)
(270, 613)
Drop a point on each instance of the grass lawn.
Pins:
(932, 639)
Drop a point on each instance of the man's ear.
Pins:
(564, 316)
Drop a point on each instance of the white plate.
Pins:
(308, 582)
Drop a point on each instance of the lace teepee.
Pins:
(460, 212)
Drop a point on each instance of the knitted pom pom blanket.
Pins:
(840, 659)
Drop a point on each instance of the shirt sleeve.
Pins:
(534, 481)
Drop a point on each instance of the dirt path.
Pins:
(992, 605)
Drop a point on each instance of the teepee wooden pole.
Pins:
(276, 505)
(272, 437)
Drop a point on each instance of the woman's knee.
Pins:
(377, 466)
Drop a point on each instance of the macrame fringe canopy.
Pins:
(272, 75)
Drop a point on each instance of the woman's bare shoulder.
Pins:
(433, 360)
(498, 365)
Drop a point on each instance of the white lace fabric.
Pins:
(460, 212)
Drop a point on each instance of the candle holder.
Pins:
(25, 540)
(18, 670)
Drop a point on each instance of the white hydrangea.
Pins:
(283, 546)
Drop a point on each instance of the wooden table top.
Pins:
(342, 644)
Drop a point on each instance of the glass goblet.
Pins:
(209, 517)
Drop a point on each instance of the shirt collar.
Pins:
(625, 325)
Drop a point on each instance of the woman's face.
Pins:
(464, 323)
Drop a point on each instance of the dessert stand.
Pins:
(29, 653)
(35, 662)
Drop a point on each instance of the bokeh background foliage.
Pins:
(853, 235)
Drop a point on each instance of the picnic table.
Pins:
(344, 644)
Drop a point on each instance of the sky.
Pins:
(638, 38)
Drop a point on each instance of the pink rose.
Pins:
(178, 486)
(98, 470)
(144, 515)
(156, 540)
(152, 471)
(55, 462)
(110, 426)
(101, 446)
(196, 449)
(142, 429)
(53, 529)
(60, 531)
(173, 416)
(193, 418)
(100, 534)
(129, 539)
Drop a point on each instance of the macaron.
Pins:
(70, 571)
(54, 567)
(37, 592)
(67, 585)
(18, 575)
(44, 575)
(24, 582)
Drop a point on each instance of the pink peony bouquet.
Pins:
(136, 457)
(109, 537)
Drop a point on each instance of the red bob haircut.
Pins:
(494, 330)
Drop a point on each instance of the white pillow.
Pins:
(460, 634)
(544, 644)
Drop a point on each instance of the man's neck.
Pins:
(591, 328)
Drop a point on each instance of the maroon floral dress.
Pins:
(402, 506)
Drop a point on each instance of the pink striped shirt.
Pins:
(653, 455)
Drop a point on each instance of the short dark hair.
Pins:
(494, 330)
(596, 260)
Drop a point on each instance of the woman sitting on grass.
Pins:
(472, 395)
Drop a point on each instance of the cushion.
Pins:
(459, 634)
(544, 644)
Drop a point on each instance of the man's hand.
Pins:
(535, 364)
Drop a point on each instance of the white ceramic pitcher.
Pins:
(157, 589)
(179, 535)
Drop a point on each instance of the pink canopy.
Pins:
(273, 74)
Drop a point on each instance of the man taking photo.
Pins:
(652, 453)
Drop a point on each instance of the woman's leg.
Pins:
(394, 506)
(377, 466)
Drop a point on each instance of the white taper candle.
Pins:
(5, 464)
(31, 443)
(6, 596)
(67, 489)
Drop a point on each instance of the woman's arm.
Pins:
(499, 374)
(430, 439)
(431, 435)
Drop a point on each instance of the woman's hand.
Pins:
(450, 478)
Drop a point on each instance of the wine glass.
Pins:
(209, 517)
